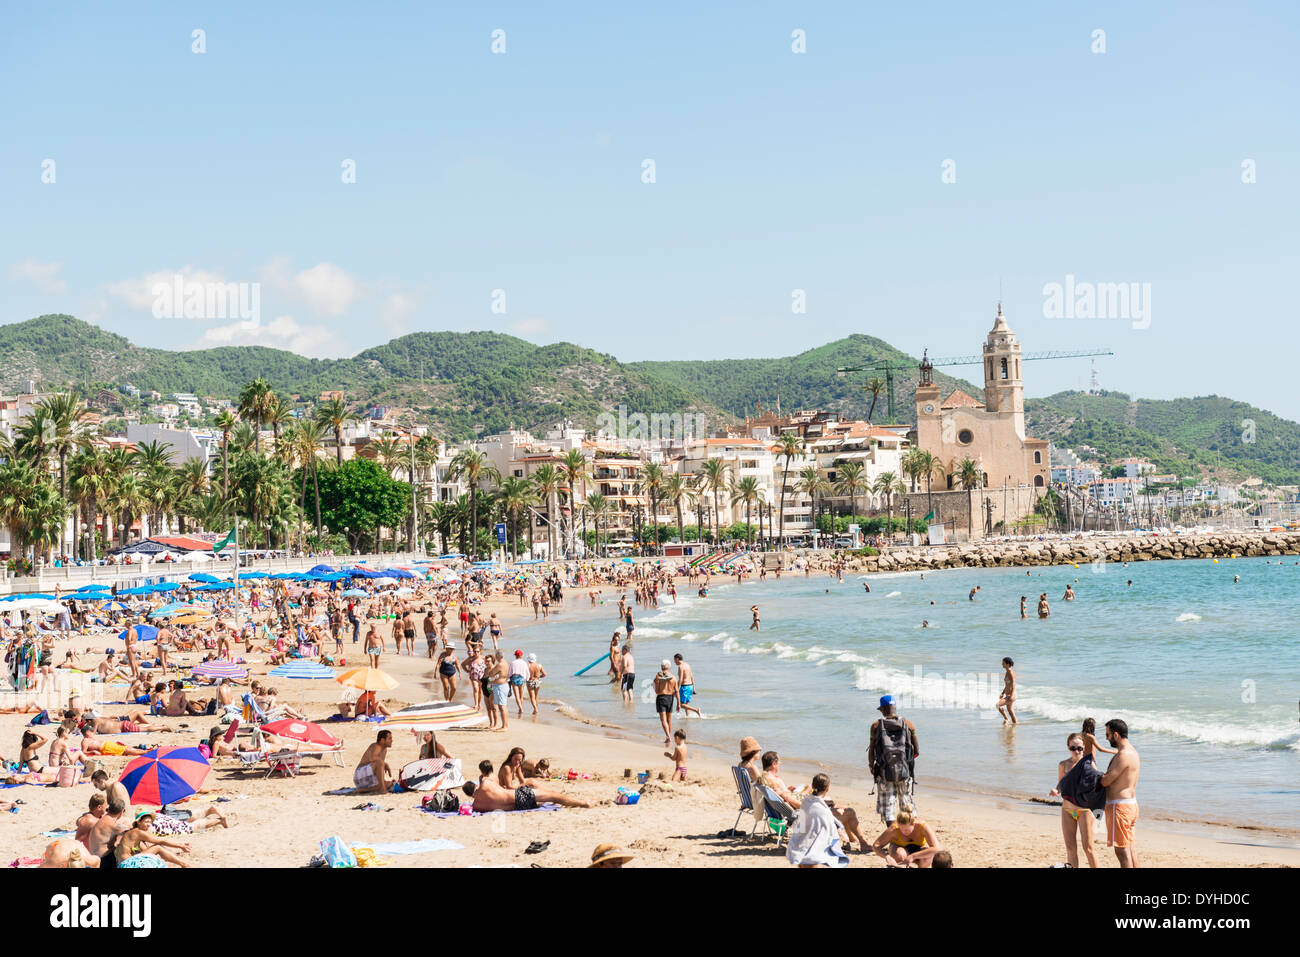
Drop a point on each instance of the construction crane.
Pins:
(889, 368)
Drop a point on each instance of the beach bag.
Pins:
(337, 853)
(894, 757)
(67, 776)
(442, 802)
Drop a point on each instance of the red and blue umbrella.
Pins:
(165, 775)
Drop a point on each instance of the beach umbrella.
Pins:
(166, 586)
(355, 593)
(164, 775)
(204, 578)
(320, 570)
(43, 606)
(367, 679)
(115, 606)
(191, 619)
(433, 716)
(398, 573)
(171, 611)
(303, 732)
(252, 576)
(303, 669)
(142, 633)
(220, 669)
(21, 595)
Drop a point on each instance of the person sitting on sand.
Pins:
(65, 852)
(815, 837)
(135, 847)
(431, 748)
(272, 703)
(488, 796)
(771, 777)
(373, 775)
(368, 705)
(540, 769)
(908, 842)
(88, 820)
(28, 757)
(179, 705)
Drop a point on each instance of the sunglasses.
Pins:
(1075, 747)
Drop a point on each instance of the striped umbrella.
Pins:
(302, 669)
(304, 732)
(165, 775)
(432, 718)
(220, 669)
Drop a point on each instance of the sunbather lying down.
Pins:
(488, 795)
(65, 852)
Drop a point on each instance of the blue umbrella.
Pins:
(452, 555)
(31, 595)
(252, 576)
(216, 586)
(398, 573)
(166, 586)
(93, 588)
(142, 633)
(205, 578)
(114, 606)
(164, 775)
(320, 570)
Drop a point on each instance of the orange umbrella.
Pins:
(367, 679)
(190, 619)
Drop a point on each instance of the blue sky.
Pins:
(774, 171)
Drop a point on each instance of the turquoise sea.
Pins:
(1205, 671)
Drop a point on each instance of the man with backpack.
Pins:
(893, 752)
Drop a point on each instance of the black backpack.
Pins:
(894, 757)
(444, 802)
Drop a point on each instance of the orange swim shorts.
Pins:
(1121, 818)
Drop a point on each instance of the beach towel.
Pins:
(540, 807)
(341, 791)
(57, 834)
(425, 845)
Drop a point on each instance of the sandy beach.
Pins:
(280, 821)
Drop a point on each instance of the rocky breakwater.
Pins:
(1080, 551)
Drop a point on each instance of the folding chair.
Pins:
(778, 815)
(287, 763)
(745, 790)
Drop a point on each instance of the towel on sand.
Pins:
(424, 846)
(338, 791)
(540, 807)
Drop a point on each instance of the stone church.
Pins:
(990, 433)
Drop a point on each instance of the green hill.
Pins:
(464, 384)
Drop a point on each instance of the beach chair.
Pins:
(774, 813)
(287, 763)
(745, 789)
(250, 759)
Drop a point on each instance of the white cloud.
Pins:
(45, 275)
(327, 288)
(139, 293)
(282, 332)
(530, 327)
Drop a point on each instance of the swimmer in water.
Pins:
(1022, 607)
(866, 587)
(971, 596)
(1069, 593)
(1130, 583)
(1043, 608)
(754, 625)
(1236, 578)
(925, 623)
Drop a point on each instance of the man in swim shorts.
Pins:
(489, 795)
(373, 775)
(1120, 782)
(665, 699)
(685, 684)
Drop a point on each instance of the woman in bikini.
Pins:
(907, 842)
(448, 670)
(476, 667)
(1076, 823)
(534, 682)
(28, 758)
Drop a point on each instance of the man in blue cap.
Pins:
(893, 752)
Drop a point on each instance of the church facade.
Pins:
(990, 433)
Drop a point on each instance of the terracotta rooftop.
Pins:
(959, 399)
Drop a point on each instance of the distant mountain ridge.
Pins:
(468, 383)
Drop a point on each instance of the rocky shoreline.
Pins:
(1078, 551)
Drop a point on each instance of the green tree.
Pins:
(788, 445)
(360, 498)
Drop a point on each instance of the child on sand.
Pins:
(678, 754)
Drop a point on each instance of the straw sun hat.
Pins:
(749, 747)
(609, 852)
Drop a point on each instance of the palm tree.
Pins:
(310, 440)
(225, 421)
(598, 506)
(516, 496)
(91, 482)
(129, 503)
(277, 412)
(334, 414)
(547, 480)
(474, 468)
(573, 469)
(929, 466)
(45, 513)
(714, 472)
(747, 491)
(968, 472)
(652, 483)
(677, 489)
(245, 439)
(852, 480)
(18, 481)
(191, 482)
(887, 485)
(255, 401)
(813, 484)
(788, 445)
(65, 412)
(875, 386)
(154, 470)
